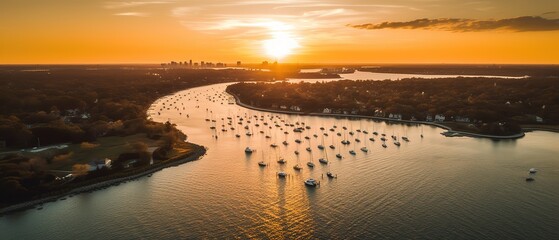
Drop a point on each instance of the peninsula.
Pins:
(483, 107)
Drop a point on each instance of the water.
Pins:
(358, 75)
(429, 188)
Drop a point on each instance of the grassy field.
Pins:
(105, 147)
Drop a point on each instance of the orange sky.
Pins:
(306, 31)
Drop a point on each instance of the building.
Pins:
(395, 116)
(98, 164)
(539, 119)
(327, 110)
(439, 118)
(462, 119)
(429, 118)
(238, 63)
(295, 108)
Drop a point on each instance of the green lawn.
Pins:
(107, 147)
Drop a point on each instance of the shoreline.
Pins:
(197, 154)
(449, 133)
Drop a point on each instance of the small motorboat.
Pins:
(323, 160)
(262, 164)
(331, 175)
(310, 164)
(311, 182)
(533, 170)
(352, 152)
(332, 147)
(282, 161)
(282, 174)
(364, 149)
(273, 145)
(249, 150)
(297, 167)
(339, 156)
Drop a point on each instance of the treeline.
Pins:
(74, 104)
(540, 71)
(482, 100)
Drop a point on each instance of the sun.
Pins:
(280, 45)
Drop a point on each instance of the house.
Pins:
(539, 119)
(295, 108)
(98, 164)
(429, 118)
(439, 118)
(462, 119)
(327, 110)
(72, 112)
(395, 116)
(283, 107)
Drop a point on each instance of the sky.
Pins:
(302, 31)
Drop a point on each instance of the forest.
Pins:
(484, 102)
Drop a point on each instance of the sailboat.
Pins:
(352, 152)
(364, 148)
(262, 163)
(297, 167)
(324, 160)
(310, 163)
(321, 146)
(405, 138)
(280, 159)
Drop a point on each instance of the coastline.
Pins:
(197, 154)
(449, 133)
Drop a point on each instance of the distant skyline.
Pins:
(303, 31)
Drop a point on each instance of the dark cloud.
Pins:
(519, 24)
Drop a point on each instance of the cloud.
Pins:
(183, 11)
(132, 14)
(117, 5)
(519, 24)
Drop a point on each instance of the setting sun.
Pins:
(281, 45)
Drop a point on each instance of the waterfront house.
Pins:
(395, 116)
(295, 108)
(327, 110)
(439, 118)
(462, 119)
(429, 118)
(100, 163)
